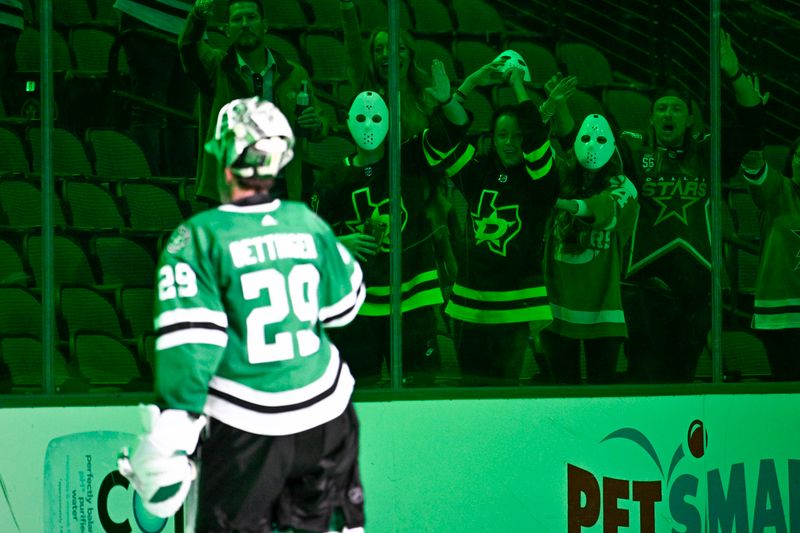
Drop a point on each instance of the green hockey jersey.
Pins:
(584, 264)
(777, 304)
(244, 294)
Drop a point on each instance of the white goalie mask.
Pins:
(368, 120)
(514, 60)
(252, 138)
(594, 145)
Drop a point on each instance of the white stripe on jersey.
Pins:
(192, 336)
(287, 422)
(357, 278)
(776, 302)
(602, 316)
(347, 258)
(360, 295)
(279, 399)
(757, 178)
(191, 314)
(347, 313)
(258, 208)
(348, 305)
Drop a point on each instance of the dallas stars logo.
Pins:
(494, 225)
(370, 214)
(674, 205)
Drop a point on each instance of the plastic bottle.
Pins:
(301, 103)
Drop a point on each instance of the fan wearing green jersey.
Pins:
(584, 257)
(245, 292)
(776, 315)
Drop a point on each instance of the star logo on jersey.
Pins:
(372, 218)
(674, 205)
(494, 225)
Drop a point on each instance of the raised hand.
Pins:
(310, 119)
(728, 61)
(516, 76)
(439, 90)
(757, 89)
(560, 87)
(753, 160)
(488, 74)
(203, 7)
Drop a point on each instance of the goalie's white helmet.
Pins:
(252, 138)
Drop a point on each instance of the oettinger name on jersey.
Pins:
(292, 295)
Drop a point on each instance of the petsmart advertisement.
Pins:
(666, 464)
(724, 471)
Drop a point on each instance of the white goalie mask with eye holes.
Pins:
(368, 120)
(514, 60)
(594, 145)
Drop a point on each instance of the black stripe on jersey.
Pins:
(498, 306)
(540, 163)
(283, 408)
(420, 287)
(190, 325)
(349, 310)
(786, 309)
(11, 10)
(164, 8)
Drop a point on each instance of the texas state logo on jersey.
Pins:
(495, 225)
(372, 217)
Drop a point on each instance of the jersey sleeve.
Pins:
(536, 149)
(189, 319)
(341, 288)
(764, 186)
(615, 208)
(444, 145)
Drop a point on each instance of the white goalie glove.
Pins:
(160, 469)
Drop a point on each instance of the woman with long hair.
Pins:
(593, 220)
(368, 70)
